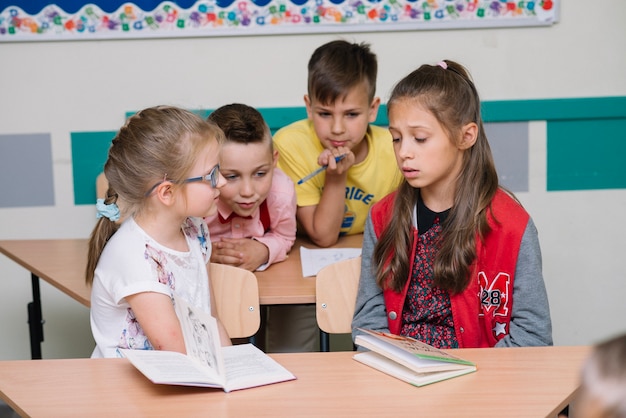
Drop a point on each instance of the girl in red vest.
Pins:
(450, 258)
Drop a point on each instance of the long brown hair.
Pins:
(448, 92)
(154, 143)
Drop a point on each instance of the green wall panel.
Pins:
(89, 153)
(587, 154)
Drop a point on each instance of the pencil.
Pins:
(319, 170)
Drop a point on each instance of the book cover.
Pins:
(206, 363)
(408, 359)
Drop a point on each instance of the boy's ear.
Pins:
(469, 136)
(307, 103)
(373, 111)
(275, 158)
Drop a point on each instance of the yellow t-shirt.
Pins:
(367, 182)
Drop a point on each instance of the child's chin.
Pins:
(211, 212)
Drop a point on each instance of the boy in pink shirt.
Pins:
(255, 223)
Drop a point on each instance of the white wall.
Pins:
(60, 87)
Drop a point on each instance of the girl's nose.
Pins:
(404, 150)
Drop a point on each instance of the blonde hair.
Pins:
(154, 143)
(603, 389)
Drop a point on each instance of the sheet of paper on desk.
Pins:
(314, 259)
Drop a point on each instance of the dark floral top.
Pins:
(427, 314)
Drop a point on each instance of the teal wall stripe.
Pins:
(554, 109)
(275, 117)
(586, 140)
(492, 111)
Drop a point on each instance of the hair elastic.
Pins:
(443, 65)
(111, 211)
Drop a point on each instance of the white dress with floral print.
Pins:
(132, 262)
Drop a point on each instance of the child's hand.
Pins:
(328, 158)
(245, 253)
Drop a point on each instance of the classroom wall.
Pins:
(56, 88)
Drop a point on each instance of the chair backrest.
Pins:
(236, 294)
(102, 186)
(335, 293)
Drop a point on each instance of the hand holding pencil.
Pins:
(319, 170)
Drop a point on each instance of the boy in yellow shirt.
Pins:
(361, 165)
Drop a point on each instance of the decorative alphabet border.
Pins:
(260, 17)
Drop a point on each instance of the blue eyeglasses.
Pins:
(212, 178)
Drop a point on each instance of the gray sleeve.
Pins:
(530, 319)
(369, 311)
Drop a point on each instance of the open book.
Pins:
(207, 364)
(409, 359)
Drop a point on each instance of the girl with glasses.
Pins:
(163, 165)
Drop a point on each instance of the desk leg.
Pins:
(324, 341)
(35, 320)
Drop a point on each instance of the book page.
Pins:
(247, 366)
(201, 335)
(413, 346)
(169, 367)
(206, 362)
(390, 367)
(313, 260)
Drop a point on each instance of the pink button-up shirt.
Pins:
(281, 205)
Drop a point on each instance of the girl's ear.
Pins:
(469, 136)
(165, 193)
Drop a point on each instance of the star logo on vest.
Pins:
(500, 328)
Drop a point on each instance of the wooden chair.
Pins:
(335, 294)
(236, 294)
(102, 186)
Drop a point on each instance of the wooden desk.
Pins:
(282, 283)
(529, 382)
(61, 263)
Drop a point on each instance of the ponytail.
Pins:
(108, 214)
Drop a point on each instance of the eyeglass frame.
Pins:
(212, 178)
